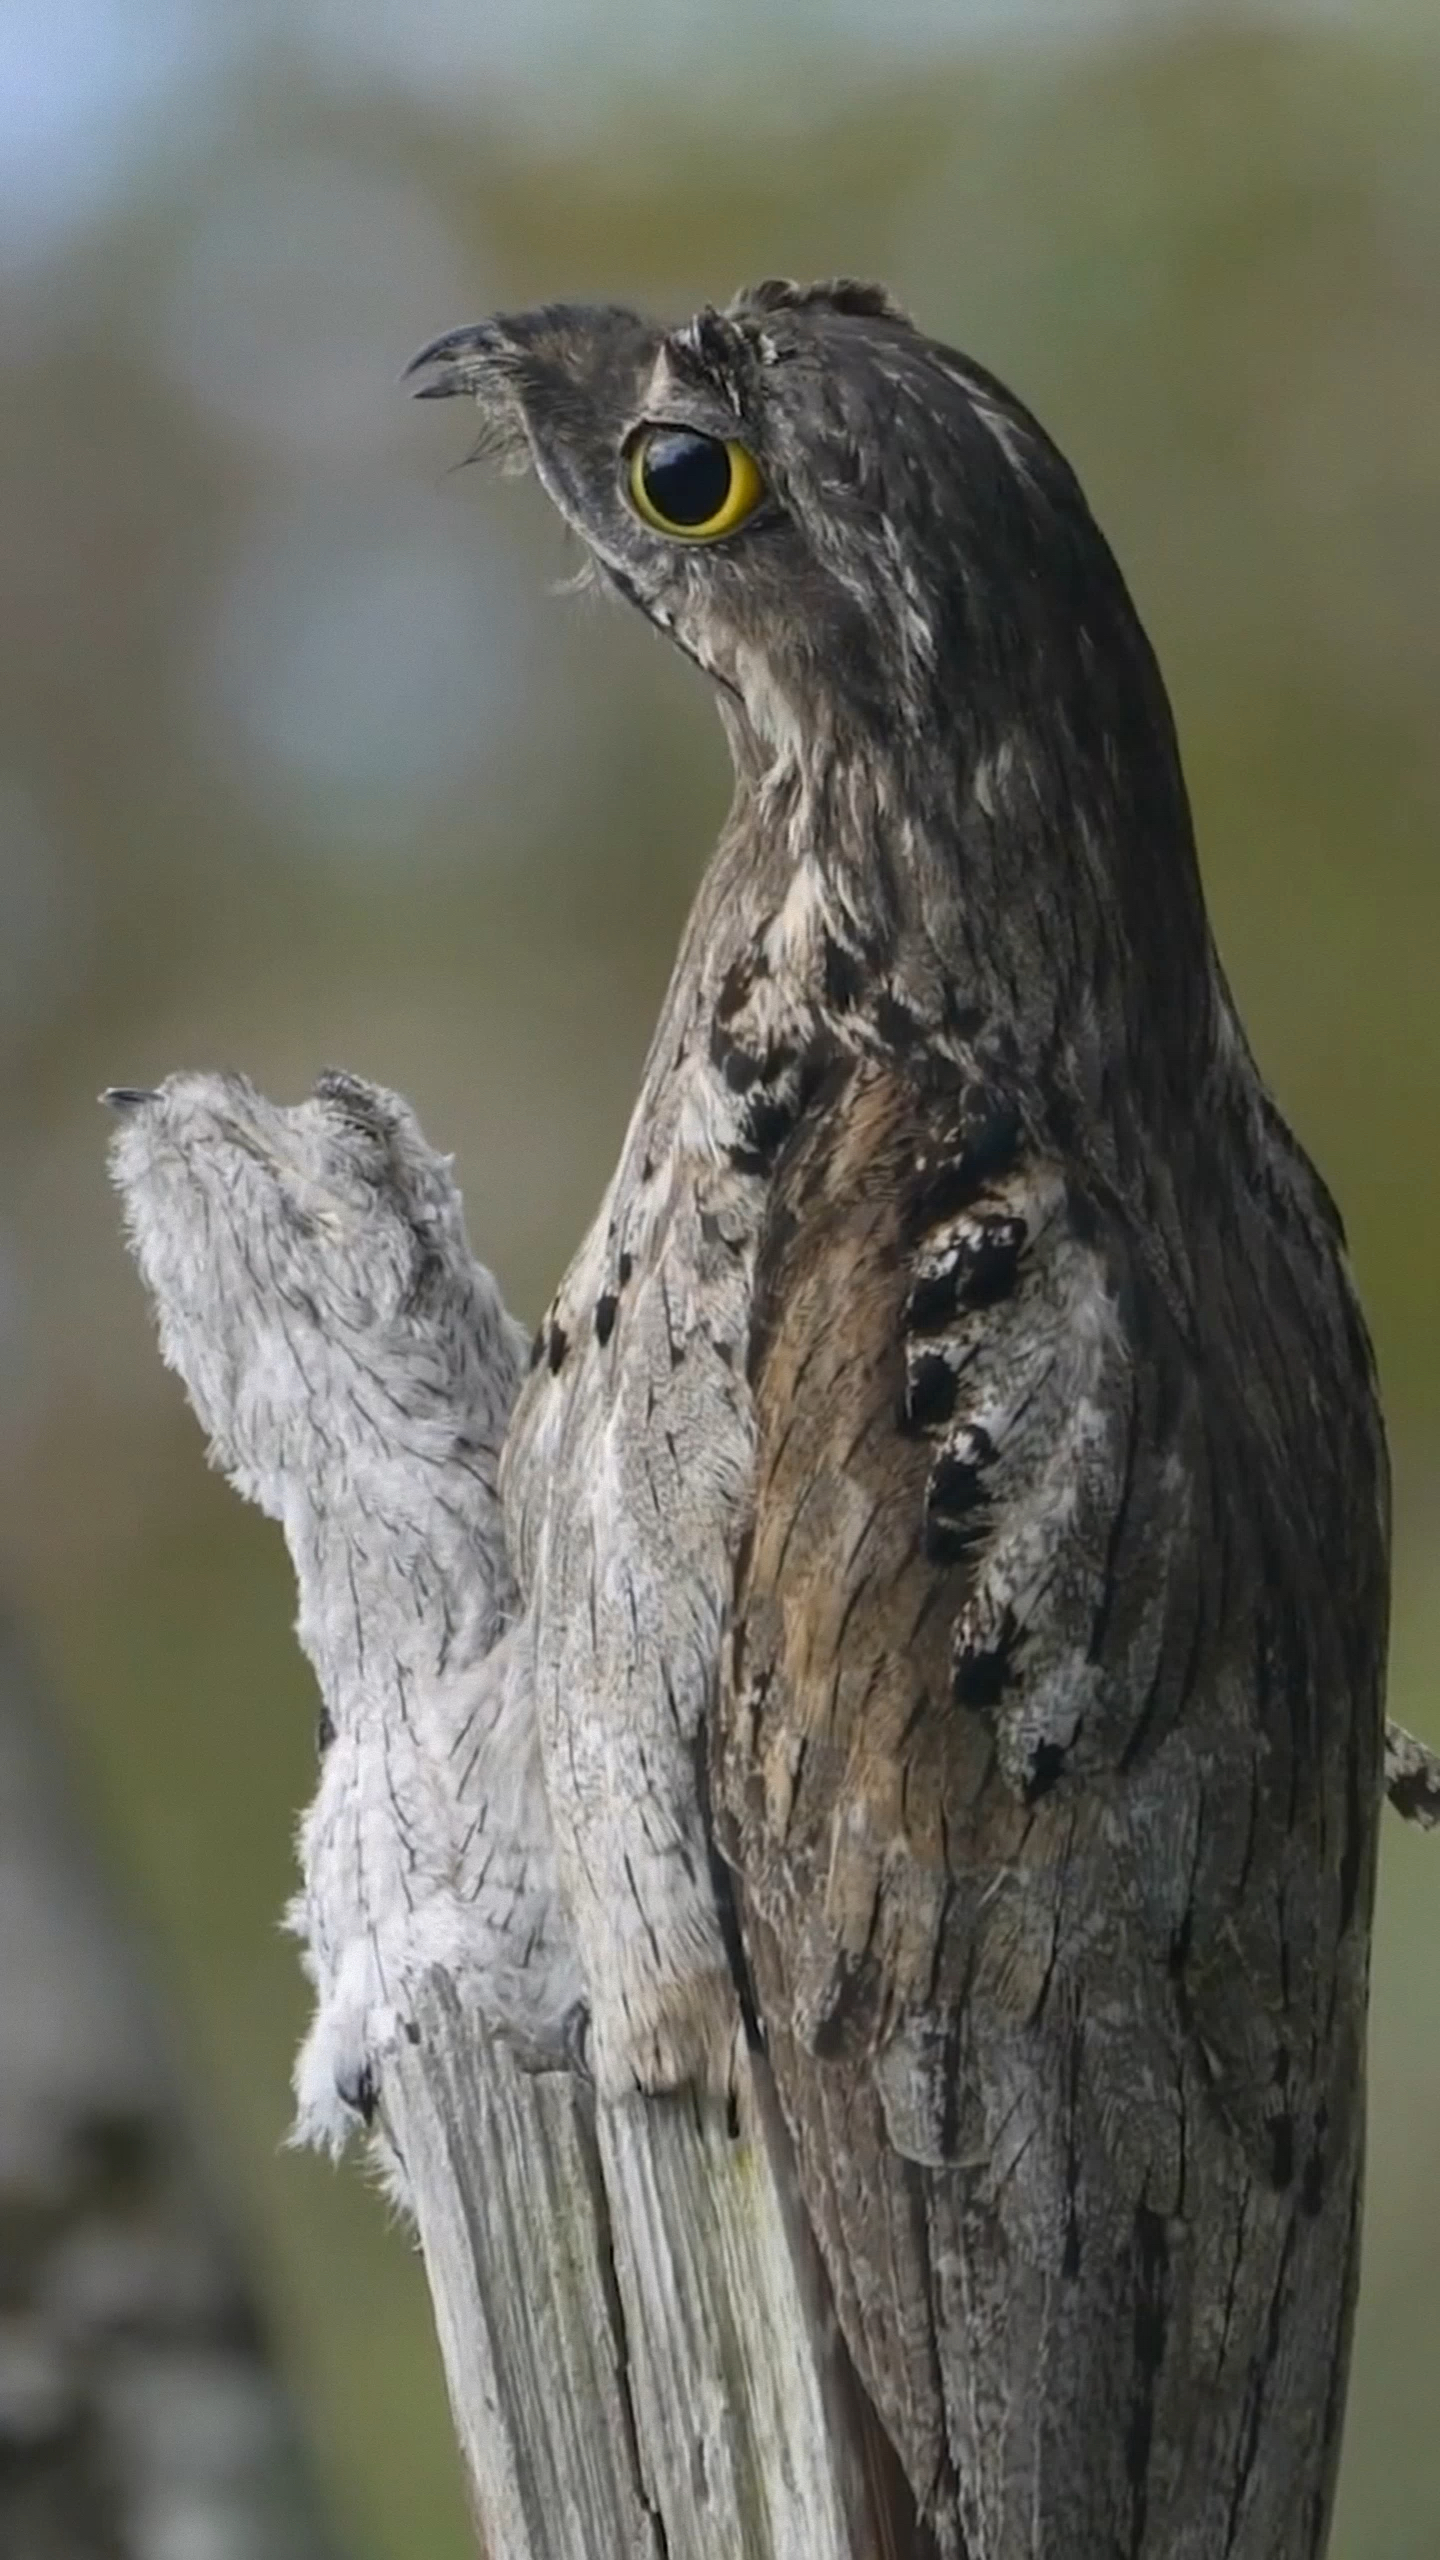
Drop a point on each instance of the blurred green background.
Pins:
(303, 760)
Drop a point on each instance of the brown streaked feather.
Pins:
(1044, 1911)
(1049, 1752)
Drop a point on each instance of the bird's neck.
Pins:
(1049, 922)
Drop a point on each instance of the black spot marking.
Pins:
(895, 1022)
(412, 2032)
(767, 1124)
(791, 1084)
(979, 1272)
(955, 1476)
(606, 1309)
(742, 1069)
(844, 977)
(735, 987)
(324, 1730)
(739, 1067)
(1047, 1768)
(953, 1498)
(950, 1541)
(988, 1268)
(537, 1348)
(983, 1673)
(981, 1679)
(932, 1303)
(627, 1265)
(931, 1389)
(1280, 2132)
(954, 1485)
(558, 1345)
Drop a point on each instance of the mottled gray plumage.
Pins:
(952, 1479)
(355, 1371)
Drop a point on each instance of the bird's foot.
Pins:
(340, 2068)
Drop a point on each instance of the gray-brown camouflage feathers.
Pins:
(952, 1479)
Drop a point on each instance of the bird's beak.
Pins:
(543, 384)
(128, 1097)
(485, 362)
(472, 359)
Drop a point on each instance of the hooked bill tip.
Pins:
(452, 361)
(437, 359)
(128, 1097)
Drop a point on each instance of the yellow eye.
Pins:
(692, 485)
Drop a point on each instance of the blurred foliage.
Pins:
(303, 761)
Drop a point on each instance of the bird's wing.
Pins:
(1050, 1807)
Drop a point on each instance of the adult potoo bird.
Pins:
(950, 1486)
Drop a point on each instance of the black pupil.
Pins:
(687, 477)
